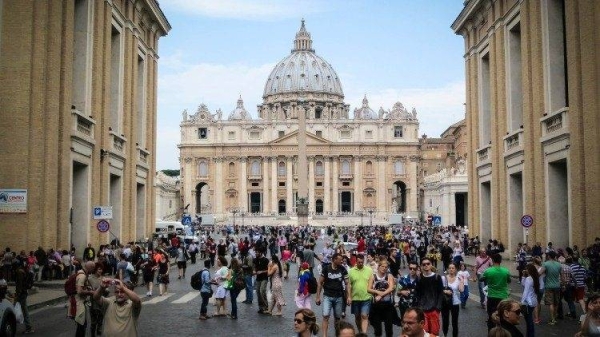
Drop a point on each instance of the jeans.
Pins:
(528, 316)
(249, 289)
(23, 302)
(464, 296)
(261, 294)
(205, 298)
(334, 303)
(382, 312)
(233, 294)
(446, 311)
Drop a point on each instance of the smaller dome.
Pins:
(365, 112)
(240, 112)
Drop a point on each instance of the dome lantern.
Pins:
(303, 42)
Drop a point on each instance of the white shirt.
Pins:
(529, 297)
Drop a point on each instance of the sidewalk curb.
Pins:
(49, 302)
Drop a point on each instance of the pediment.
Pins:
(292, 139)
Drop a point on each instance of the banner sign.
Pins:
(13, 201)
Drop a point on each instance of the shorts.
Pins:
(432, 322)
(552, 297)
(579, 293)
(334, 303)
(148, 278)
(221, 292)
(360, 307)
(181, 264)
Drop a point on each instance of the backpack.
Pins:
(71, 285)
(196, 281)
(312, 284)
(239, 282)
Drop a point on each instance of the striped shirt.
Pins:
(579, 274)
(565, 276)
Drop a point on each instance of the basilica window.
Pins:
(254, 134)
(203, 169)
(346, 166)
(255, 168)
(345, 134)
(318, 113)
(319, 168)
(281, 169)
(397, 131)
(231, 169)
(369, 134)
(281, 134)
(231, 135)
(398, 167)
(202, 133)
(319, 133)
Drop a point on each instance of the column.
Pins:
(289, 179)
(382, 205)
(274, 184)
(326, 185)
(243, 202)
(264, 200)
(357, 180)
(219, 186)
(412, 187)
(335, 175)
(311, 185)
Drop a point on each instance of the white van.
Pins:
(168, 227)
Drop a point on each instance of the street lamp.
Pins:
(361, 218)
(243, 213)
(234, 211)
(371, 217)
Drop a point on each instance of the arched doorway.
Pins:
(319, 206)
(281, 206)
(202, 202)
(399, 197)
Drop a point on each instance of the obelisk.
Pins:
(302, 201)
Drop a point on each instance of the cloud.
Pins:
(247, 9)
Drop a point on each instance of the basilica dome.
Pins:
(303, 71)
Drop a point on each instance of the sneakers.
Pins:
(149, 294)
(552, 322)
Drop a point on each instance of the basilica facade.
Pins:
(364, 163)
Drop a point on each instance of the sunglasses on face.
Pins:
(518, 312)
(413, 268)
(298, 321)
(426, 264)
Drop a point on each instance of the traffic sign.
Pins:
(103, 226)
(526, 221)
(186, 220)
(103, 212)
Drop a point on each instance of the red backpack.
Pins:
(71, 284)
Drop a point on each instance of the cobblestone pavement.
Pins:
(176, 314)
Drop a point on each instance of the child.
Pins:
(464, 275)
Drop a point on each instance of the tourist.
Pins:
(21, 292)
(235, 269)
(333, 280)
(464, 274)
(275, 274)
(220, 280)
(381, 286)
(413, 323)
(96, 314)
(507, 316)
(205, 291)
(482, 262)
(406, 288)
(454, 285)
(529, 299)
(552, 269)
(358, 280)
(305, 323)
(302, 297)
(163, 275)
(344, 329)
(81, 301)
(497, 279)
(121, 314)
(429, 291)
(261, 270)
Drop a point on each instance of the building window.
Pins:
(319, 133)
(514, 73)
(319, 171)
(281, 134)
(255, 168)
(231, 135)
(202, 133)
(319, 184)
(231, 169)
(397, 131)
(254, 184)
(141, 100)
(254, 134)
(346, 166)
(203, 169)
(398, 167)
(345, 134)
(369, 134)
(281, 169)
(318, 113)
(82, 78)
(345, 183)
(554, 39)
(116, 78)
(282, 184)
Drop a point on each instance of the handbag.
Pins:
(447, 298)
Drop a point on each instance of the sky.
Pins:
(391, 51)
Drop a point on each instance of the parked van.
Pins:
(169, 227)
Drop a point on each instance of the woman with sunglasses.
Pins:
(508, 315)
(305, 323)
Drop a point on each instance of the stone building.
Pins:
(78, 119)
(168, 198)
(360, 163)
(533, 118)
(444, 184)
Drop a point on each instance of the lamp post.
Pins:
(243, 213)
(371, 217)
(234, 211)
(361, 218)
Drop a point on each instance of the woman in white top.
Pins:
(529, 299)
(464, 274)
(220, 279)
(537, 261)
(456, 285)
(457, 253)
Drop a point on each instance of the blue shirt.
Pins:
(206, 287)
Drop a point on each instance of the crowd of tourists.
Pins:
(413, 277)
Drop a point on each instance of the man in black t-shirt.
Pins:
(261, 266)
(333, 281)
